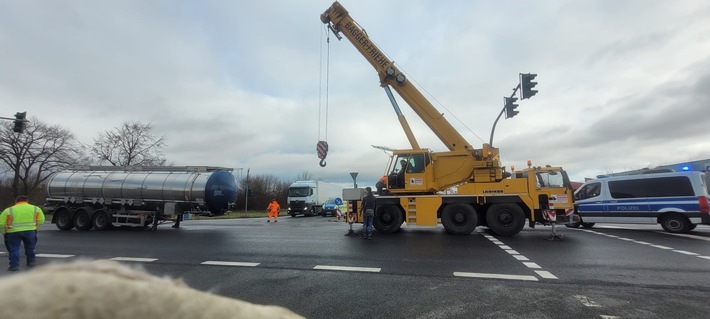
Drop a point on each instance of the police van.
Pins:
(678, 201)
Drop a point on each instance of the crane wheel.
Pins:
(388, 219)
(459, 219)
(505, 219)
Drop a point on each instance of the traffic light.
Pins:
(20, 122)
(249, 193)
(510, 107)
(527, 85)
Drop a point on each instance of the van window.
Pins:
(669, 186)
(589, 191)
(627, 189)
(651, 187)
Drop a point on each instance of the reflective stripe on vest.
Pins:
(11, 221)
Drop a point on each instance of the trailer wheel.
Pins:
(63, 219)
(388, 219)
(82, 220)
(459, 219)
(505, 219)
(102, 220)
(675, 223)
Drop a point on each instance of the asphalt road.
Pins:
(308, 266)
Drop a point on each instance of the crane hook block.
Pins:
(322, 148)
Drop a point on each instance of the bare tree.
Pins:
(33, 155)
(131, 144)
(304, 176)
(264, 188)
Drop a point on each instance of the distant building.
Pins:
(701, 166)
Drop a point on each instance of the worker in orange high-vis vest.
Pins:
(273, 210)
(19, 225)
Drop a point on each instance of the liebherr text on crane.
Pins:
(463, 187)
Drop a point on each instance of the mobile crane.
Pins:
(464, 187)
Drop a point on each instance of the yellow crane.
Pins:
(464, 187)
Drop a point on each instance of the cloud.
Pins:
(243, 84)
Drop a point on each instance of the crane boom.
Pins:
(462, 163)
(339, 20)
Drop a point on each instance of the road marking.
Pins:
(516, 255)
(609, 317)
(587, 301)
(689, 253)
(494, 276)
(229, 263)
(54, 256)
(686, 252)
(144, 260)
(545, 274)
(346, 268)
(532, 265)
(685, 235)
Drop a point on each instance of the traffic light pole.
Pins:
(493, 129)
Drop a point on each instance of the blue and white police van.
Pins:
(676, 200)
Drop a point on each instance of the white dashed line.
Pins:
(704, 257)
(661, 247)
(494, 276)
(144, 260)
(516, 255)
(345, 268)
(229, 263)
(532, 265)
(545, 274)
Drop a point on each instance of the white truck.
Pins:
(308, 197)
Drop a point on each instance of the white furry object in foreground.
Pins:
(107, 289)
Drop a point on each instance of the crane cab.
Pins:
(410, 171)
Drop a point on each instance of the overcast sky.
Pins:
(622, 84)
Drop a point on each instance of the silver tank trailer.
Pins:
(213, 188)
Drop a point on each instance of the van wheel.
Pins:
(459, 219)
(587, 225)
(676, 223)
(505, 219)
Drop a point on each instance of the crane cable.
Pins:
(322, 146)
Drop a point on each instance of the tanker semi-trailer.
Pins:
(99, 197)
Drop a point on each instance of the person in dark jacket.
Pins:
(368, 207)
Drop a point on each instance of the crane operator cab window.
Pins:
(403, 165)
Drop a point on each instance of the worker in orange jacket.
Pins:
(273, 210)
